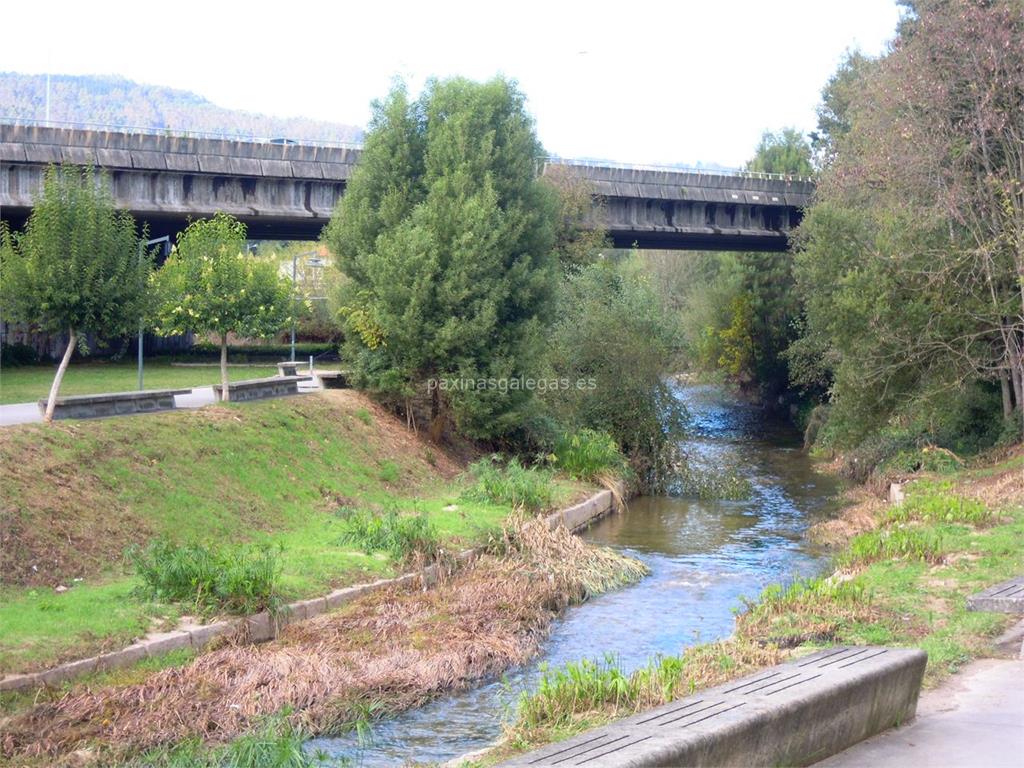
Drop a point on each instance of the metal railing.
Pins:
(251, 138)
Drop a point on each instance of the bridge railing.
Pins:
(735, 172)
(251, 138)
(243, 136)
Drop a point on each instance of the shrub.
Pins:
(926, 459)
(588, 455)
(18, 354)
(513, 484)
(402, 537)
(941, 507)
(890, 544)
(232, 579)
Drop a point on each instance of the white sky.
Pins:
(647, 82)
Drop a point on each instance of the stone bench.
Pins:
(113, 403)
(288, 368)
(792, 714)
(1006, 597)
(260, 389)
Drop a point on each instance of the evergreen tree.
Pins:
(445, 234)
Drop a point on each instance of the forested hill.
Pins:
(112, 100)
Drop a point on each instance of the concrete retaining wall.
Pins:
(263, 626)
(261, 389)
(113, 404)
(792, 714)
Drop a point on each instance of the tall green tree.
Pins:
(912, 257)
(210, 285)
(445, 234)
(78, 268)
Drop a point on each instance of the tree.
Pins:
(611, 345)
(209, 285)
(445, 234)
(912, 257)
(580, 233)
(786, 152)
(77, 268)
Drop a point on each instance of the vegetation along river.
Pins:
(704, 556)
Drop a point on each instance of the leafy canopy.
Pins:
(209, 285)
(78, 263)
(445, 234)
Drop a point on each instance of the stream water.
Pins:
(704, 556)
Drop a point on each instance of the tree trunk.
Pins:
(437, 416)
(1017, 376)
(225, 394)
(1004, 385)
(51, 401)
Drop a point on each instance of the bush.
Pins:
(512, 484)
(941, 507)
(926, 459)
(232, 579)
(247, 353)
(402, 537)
(896, 543)
(588, 454)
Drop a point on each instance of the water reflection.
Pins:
(705, 557)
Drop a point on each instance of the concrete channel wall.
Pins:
(113, 404)
(264, 626)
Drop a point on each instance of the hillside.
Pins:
(112, 100)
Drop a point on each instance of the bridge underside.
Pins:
(265, 227)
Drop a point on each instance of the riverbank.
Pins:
(380, 654)
(283, 474)
(902, 576)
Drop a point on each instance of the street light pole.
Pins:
(164, 239)
(295, 261)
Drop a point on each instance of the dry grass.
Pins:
(392, 650)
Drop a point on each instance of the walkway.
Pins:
(973, 720)
(26, 413)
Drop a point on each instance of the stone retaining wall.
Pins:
(261, 389)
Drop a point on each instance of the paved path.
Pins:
(973, 720)
(25, 413)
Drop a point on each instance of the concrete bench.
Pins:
(288, 368)
(1007, 597)
(792, 714)
(260, 389)
(113, 403)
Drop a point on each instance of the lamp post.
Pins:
(295, 262)
(142, 248)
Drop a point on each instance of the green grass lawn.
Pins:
(28, 383)
(279, 471)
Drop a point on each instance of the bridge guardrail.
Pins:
(253, 139)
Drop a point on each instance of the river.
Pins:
(704, 556)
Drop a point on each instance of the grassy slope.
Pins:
(76, 494)
(917, 598)
(27, 383)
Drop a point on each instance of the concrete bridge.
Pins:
(288, 191)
